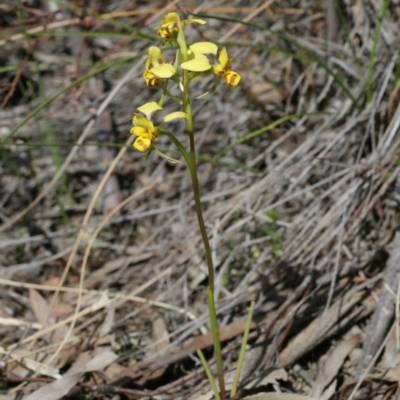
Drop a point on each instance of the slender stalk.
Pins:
(210, 290)
(195, 181)
(200, 219)
(192, 165)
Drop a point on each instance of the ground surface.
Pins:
(298, 168)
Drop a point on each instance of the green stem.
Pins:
(195, 181)
(192, 165)
(199, 212)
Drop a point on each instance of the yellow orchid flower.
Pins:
(156, 67)
(168, 28)
(144, 128)
(146, 132)
(222, 69)
(199, 62)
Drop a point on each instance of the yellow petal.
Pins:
(198, 64)
(140, 131)
(175, 115)
(139, 120)
(204, 48)
(163, 71)
(223, 57)
(193, 21)
(155, 57)
(149, 108)
(142, 144)
(232, 78)
(169, 18)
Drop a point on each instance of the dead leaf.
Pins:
(161, 343)
(59, 388)
(39, 306)
(329, 392)
(61, 310)
(390, 358)
(330, 364)
(41, 310)
(114, 370)
(89, 361)
(112, 194)
(160, 335)
(271, 378)
(79, 364)
(55, 390)
(102, 359)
